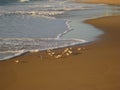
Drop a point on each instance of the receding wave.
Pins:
(48, 9)
(30, 26)
(66, 31)
(12, 47)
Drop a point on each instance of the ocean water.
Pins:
(33, 25)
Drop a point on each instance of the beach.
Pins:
(112, 2)
(89, 66)
(95, 67)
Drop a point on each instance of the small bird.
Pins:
(50, 54)
(17, 61)
(67, 54)
(58, 56)
(49, 50)
(79, 49)
(70, 52)
(53, 53)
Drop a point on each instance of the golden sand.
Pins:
(113, 2)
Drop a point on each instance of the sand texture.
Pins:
(113, 2)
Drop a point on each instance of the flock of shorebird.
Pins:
(65, 52)
(52, 53)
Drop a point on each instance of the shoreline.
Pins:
(112, 2)
(91, 67)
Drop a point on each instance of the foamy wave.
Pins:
(44, 14)
(24, 0)
(13, 47)
(3, 52)
(14, 54)
(47, 9)
(65, 32)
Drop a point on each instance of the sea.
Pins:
(35, 25)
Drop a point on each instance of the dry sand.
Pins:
(113, 2)
(93, 67)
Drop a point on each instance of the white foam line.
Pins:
(49, 13)
(36, 50)
(18, 51)
(13, 56)
(21, 52)
(66, 31)
(81, 40)
(44, 14)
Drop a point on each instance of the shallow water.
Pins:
(39, 25)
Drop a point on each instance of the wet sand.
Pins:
(94, 66)
(112, 2)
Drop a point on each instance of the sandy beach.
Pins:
(112, 2)
(93, 66)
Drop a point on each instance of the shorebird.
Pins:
(70, 52)
(67, 54)
(50, 54)
(16, 61)
(49, 50)
(58, 56)
(66, 50)
(70, 48)
(79, 49)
